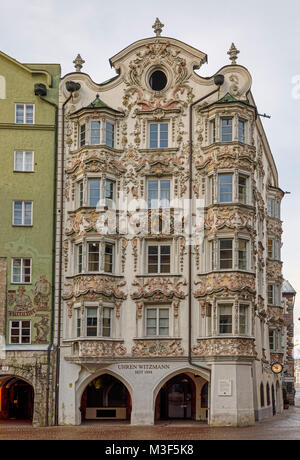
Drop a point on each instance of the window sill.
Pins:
(160, 275)
(22, 226)
(24, 172)
(93, 339)
(150, 339)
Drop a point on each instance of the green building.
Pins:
(28, 141)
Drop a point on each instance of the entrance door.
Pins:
(176, 399)
(16, 402)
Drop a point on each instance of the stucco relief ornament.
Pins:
(159, 288)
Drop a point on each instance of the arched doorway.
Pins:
(16, 399)
(105, 398)
(273, 401)
(177, 399)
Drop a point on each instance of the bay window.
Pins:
(93, 257)
(225, 318)
(226, 129)
(226, 254)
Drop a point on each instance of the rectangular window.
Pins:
(22, 213)
(79, 258)
(109, 189)
(20, 332)
(82, 133)
(226, 253)
(109, 258)
(110, 135)
(106, 322)
(271, 294)
(157, 322)
(243, 180)
(91, 322)
(272, 340)
(159, 194)
(243, 318)
(211, 181)
(225, 188)
(93, 262)
(23, 161)
(21, 271)
(241, 131)
(81, 196)
(159, 135)
(271, 249)
(225, 319)
(226, 129)
(213, 131)
(24, 114)
(159, 259)
(94, 192)
(95, 132)
(211, 255)
(242, 254)
(273, 208)
(78, 322)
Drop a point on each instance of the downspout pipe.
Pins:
(71, 88)
(40, 92)
(218, 80)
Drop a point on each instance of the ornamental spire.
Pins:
(78, 63)
(233, 53)
(158, 27)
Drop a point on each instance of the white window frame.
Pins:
(247, 325)
(20, 332)
(90, 132)
(159, 199)
(25, 105)
(158, 245)
(23, 214)
(22, 273)
(24, 152)
(91, 307)
(225, 304)
(114, 134)
(154, 307)
(88, 191)
(158, 134)
(87, 256)
(232, 129)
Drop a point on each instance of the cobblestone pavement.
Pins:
(281, 427)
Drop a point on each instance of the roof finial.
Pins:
(78, 63)
(233, 53)
(158, 27)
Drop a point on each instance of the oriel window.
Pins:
(95, 132)
(226, 129)
(225, 319)
(93, 257)
(92, 322)
(225, 188)
(226, 254)
(94, 187)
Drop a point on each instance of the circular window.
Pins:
(158, 80)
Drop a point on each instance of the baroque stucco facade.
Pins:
(233, 361)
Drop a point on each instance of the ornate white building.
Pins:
(159, 317)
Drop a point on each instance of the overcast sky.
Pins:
(266, 32)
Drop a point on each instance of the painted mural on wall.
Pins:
(32, 304)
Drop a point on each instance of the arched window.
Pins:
(262, 395)
(2, 87)
(268, 395)
(204, 396)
